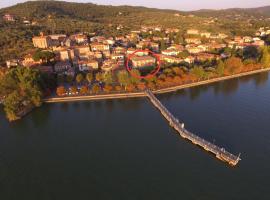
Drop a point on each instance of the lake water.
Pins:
(125, 150)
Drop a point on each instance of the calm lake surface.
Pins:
(125, 150)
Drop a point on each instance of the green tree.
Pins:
(79, 78)
(45, 56)
(134, 79)
(22, 90)
(108, 77)
(220, 68)
(123, 78)
(265, 58)
(99, 76)
(69, 79)
(89, 77)
(198, 72)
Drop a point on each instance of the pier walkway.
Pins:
(219, 152)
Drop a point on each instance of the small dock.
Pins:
(219, 152)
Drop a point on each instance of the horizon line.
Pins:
(122, 5)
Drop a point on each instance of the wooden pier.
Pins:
(219, 152)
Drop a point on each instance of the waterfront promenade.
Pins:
(219, 152)
(142, 94)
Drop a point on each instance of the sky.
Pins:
(168, 4)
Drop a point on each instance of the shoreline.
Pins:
(142, 94)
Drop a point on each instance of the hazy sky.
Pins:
(173, 4)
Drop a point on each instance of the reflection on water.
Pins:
(123, 149)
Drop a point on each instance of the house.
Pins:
(98, 39)
(258, 43)
(154, 46)
(64, 55)
(247, 39)
(206, 56)
(12, 63)
(80, 38)
(119, 50)
(171, 59)
(9, 17)
(28, 61)
(205, 34)
(109, 65)
(87, 65)
(189, 59)
(120, 58)
(222, 36)
(82, 51)
(193, 40)
(42, 41)
(193, 32)
(99, 47)
(194, 49)
(176, 47)
(143, 61)
(62, 66)
(170, 52)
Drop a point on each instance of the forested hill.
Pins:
(256, 12)
(89, 11)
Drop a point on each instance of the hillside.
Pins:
(66, 17)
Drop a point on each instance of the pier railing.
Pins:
(220, 152)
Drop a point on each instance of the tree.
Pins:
(123, 78)
(79, 78)
(233, 65)
(251, 52)
(73, 90)
(108, 88)
(21, 90)
(89, 77)
(135, 74)
(265, 58)
(69, 78)
(61, 91)
(99, 76)
(84, 90)
(198, 72)
(177, 70)
(141, 86)
(60, 79)
(96, 88)
(45, 56)
(220, 68)
(108, 77)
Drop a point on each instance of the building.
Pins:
(9, 17)
(28, 61)
(12, 63)
(87, 65)
(170, 59)
(205, 34)
(99, 47)
(143, 61)
(42, 41)
(193, 40)
(193, 32)
(109, 65)
(119, 50)
(170, 52)
(62, 67)
(80, 38)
